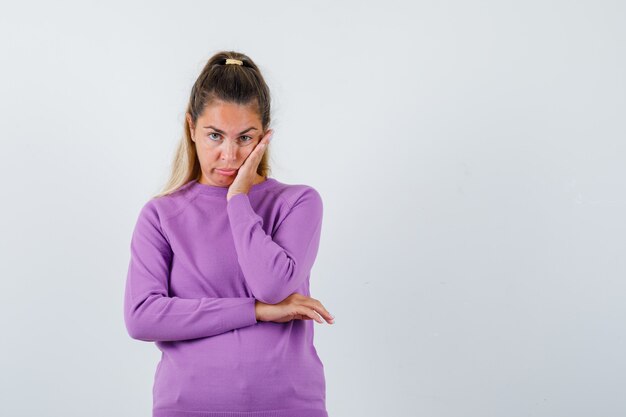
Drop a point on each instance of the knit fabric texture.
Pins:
(197, 265)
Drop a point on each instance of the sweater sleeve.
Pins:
(275, 266)
(150, 314)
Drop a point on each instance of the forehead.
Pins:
(226, 116)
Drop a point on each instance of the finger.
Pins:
(319, 307)
(268, 135)
(257, 152)
(255, 156)
(312, 314)
(265, 140)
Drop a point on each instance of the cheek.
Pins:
(207, 155)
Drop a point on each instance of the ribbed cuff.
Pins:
(239, 209)
(159, 412)
(241, 315)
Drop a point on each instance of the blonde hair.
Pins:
(240, 84)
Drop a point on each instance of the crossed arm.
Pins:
(273, 267)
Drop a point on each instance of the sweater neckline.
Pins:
(216, 190)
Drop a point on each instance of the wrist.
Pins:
(231, 195)
(258, 307)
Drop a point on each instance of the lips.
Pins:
(226, 171)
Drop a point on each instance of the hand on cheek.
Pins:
(247, 173)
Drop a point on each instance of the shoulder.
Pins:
(159, 209)
(292, 195)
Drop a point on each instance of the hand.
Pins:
(294, 307)
(247, 173)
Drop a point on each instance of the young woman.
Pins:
(220, 264)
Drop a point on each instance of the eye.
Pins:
(212, 133)
(249, 138)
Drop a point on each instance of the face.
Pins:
(224, 135)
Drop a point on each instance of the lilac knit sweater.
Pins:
(197, 264)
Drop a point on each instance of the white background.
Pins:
(471, 157)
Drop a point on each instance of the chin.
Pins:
(223, 178)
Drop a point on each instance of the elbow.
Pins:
(134, 328)
(269, 297)
(269, 294)
(134, 333)
(137, 318)
(277, 284)
(139, 332)
(272, 295)
(137, 327)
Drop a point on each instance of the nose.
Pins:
(229, 152)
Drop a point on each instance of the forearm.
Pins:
(159, 318)
(274, 267)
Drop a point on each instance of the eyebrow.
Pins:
(221, 131)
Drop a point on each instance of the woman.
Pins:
(220, 264)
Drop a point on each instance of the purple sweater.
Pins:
(197, 264)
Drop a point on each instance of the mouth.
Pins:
(227, 172)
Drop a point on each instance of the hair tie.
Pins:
(233, 61)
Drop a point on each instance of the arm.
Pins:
(274, 267)
(150, 314)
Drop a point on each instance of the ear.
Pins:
(191, 126)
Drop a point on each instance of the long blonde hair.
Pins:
(240, 84)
